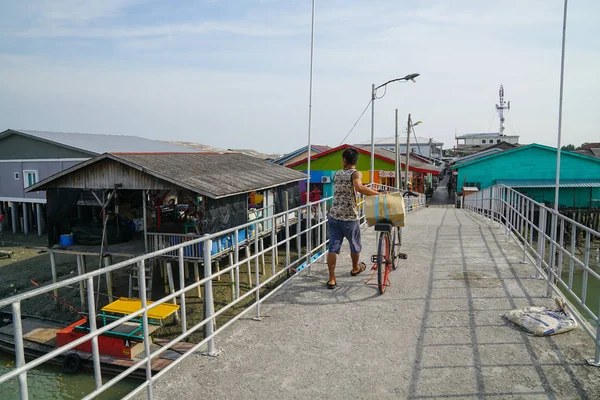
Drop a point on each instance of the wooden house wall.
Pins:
(105, 174)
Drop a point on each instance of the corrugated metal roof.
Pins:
(99, 143)
(391, 140)
(549, 183)
(483, 135)
(212, 174)
(196, 146)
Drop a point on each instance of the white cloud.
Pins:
(160, 79)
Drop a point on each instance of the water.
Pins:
(50, 382)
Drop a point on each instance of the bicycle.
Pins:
(386, 259)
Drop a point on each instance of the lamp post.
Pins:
(560, 108)
(409, 126)
(410, 77)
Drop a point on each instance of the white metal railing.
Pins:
(552, 242)
(315, 230)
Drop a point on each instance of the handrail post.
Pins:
(236, 260)
(146, 333)
(181, 286)
(209, 306)
(596, 361)
(525, 231)
(541, 241)
(257, 274)
(92, 321)
(19, 349)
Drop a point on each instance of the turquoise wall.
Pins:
(571, 197)
(535, 162)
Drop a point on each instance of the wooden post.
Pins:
(107, 262)
(197, 278)
(81, 287)
(84, 269)
(231, 278)
(53, 267)
(144, 195)
(172, 287)
(248, 266)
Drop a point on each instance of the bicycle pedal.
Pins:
(402, 256)
(374, 259)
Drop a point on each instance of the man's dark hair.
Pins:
(350, 155)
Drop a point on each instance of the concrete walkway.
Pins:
(435, 333)
(440, 195)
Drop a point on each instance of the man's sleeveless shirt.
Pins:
(344, 196)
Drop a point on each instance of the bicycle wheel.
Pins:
(395, 246)
(383, 251)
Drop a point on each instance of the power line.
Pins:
(356, 123)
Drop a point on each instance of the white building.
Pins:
(485, 139)
(422, 146)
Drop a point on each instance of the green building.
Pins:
(531, 170)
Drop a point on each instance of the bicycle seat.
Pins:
(383, 227)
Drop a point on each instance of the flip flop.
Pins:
(362, 266)
(331, 286)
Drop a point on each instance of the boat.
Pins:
(120, 348)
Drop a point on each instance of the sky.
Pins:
(235, 73)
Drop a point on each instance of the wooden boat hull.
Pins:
(39, 338)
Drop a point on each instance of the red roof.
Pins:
(590, 146)
(363, 151)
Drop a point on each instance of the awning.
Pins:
(549, 183)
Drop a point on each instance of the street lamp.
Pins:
(410, 77)
(410, 126)
(398, 168)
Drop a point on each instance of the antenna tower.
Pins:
(500, 108)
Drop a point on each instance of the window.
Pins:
(29, 178)
(497, 140)
(482, 140)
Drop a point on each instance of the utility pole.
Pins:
(371, 178)
(430, 154)
(398, 167)
(408, 126)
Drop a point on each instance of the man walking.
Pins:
(343, 215)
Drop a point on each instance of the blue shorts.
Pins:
(338, 230)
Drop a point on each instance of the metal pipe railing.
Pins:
(547, 249)
(317, 230)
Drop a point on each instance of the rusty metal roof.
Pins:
(215, 175)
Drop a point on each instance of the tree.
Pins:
(568, 147)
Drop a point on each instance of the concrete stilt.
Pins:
(13, 215)
(38, 212)
(26, 218)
